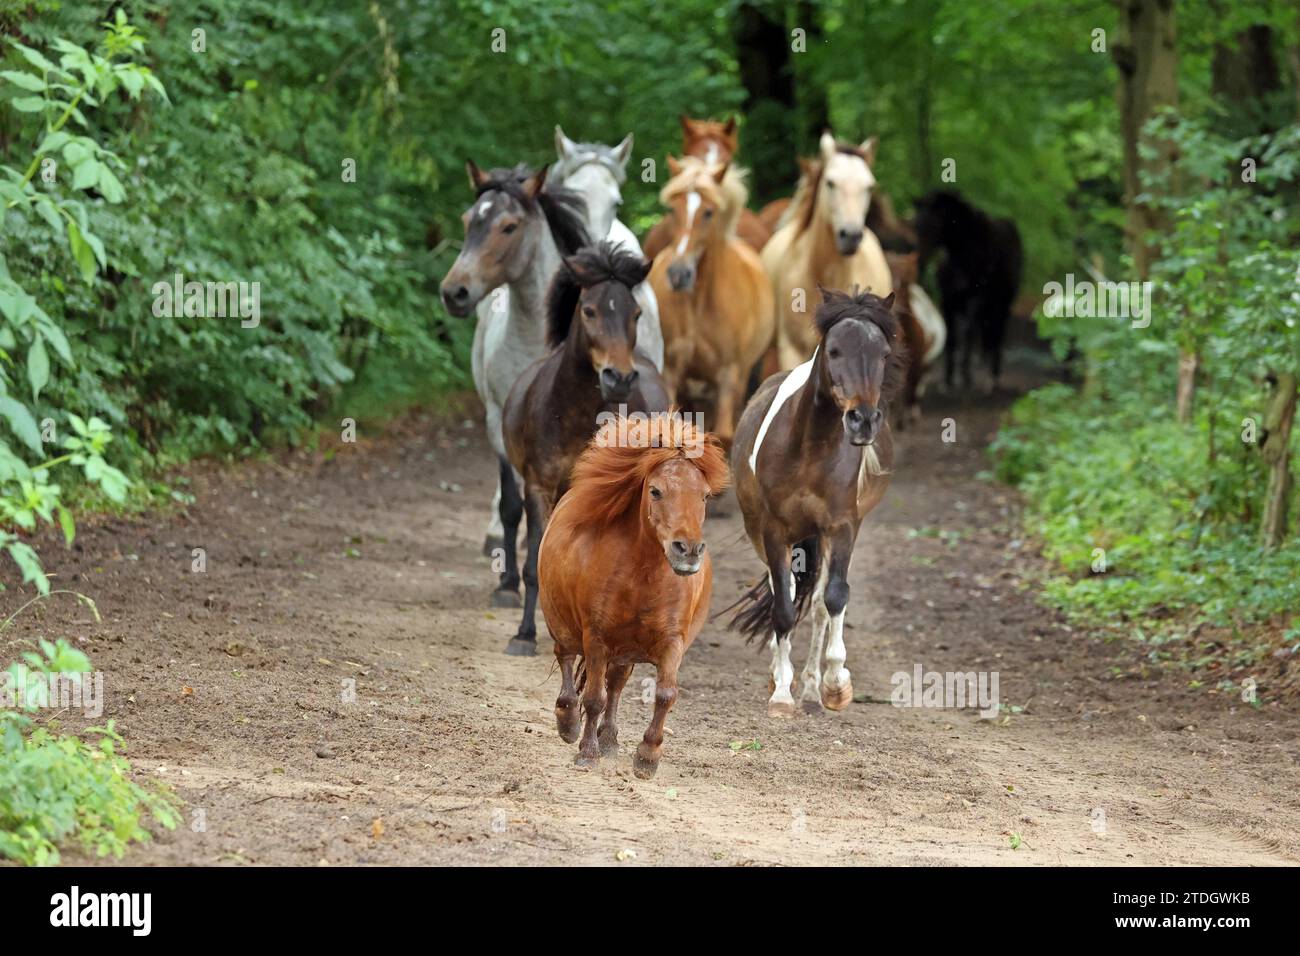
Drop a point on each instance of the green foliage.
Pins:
(56, 788)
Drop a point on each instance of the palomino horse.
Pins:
(596, 172)
(894, 233)
(923, 331)
(624, 575)
(715, 143)
(515, 232)
(978, 277)
(594, 369)
(812, 457)
(825, 243)
(714, 299)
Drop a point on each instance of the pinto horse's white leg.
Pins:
(781, 703)
(837, 685)
(495, 533)
(810, 680)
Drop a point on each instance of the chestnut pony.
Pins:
(624, 574)
(712, 142)
(715, 301)
(923, 331)
(812, 457)
(594, 368)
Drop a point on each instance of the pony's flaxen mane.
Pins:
(604, 262)
(609, 478)
(804, 203)
(838, 307)
(564, 209)
(730, 195)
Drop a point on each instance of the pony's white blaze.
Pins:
(793, 382)
(483, 208)
(711, 154)
(692, 207)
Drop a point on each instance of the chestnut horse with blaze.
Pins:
(624, 574)
(812, 457)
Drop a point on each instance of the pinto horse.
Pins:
(594, 369)
(624, 574)
(714, 143)
(978, 277)
(824, 244)
(516, 230)
(715, 301)
(812, 457)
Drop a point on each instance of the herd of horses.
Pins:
(800, 333)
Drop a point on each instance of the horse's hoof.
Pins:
(780, 708)
(491, 545)
(608, 744)
(518, 647)
(504, 597)
(586, 763)
(837, 698)
(568, 724)
(643, 766)
(813, 708)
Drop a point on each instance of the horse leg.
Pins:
(651, 748)
(524, 643)
(593, 702)
(608, 735)
(837, 685)
(510, 509)
(967, 346)
(781, 581)
(568, 721)
(495, 535)
(810, 679)
(731, 395)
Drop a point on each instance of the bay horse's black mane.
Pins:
(564, 209)
(839, 306)
(592, 265)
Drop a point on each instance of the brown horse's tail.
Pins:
(754, 619)
(580, 675)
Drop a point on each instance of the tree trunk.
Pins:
(1188, 362)
(1147, 58)
(1245, 76)
(1275, 446)
(763, 56)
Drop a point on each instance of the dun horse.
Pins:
(516, 230)
(978, 277)
(715, 301)
(594, 368)
(824, 244)
(812, 457)
(715, 143)
(624, 574)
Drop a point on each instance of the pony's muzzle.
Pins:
(681, 276)
(848, 240)
(615, 386)
(863, 427)
(684, 556)
(456, 297)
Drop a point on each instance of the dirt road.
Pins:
(364, 566)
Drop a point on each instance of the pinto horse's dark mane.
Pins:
(603, 262)
(564, 209)
(838, 307)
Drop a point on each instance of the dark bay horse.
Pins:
(624, 574)
(812, 456)
(978, 277)
(593, 368)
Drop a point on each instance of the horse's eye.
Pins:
(708, 214)
(830, 184)
(833, 353)
(588, 312)
(509, 227)
(656, 494)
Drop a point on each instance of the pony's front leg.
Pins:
(524, 643)
(810, 680)
(510, 509)
(837, 684)
(568, 721)
(781, 583)
(731, 396)
(593, 701)
(651, 748)
(614, 682)
(495, 535)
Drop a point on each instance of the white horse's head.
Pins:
(596, 172)
(844, 193)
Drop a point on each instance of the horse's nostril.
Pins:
(680, 549)
(633, 376)
(459, 293)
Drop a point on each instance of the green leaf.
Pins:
(30, 565)
(38, 366)
(25, 81)
(110, 186)
(21, 422)
(85, 174)
(31, 104)
(81, 252)
(68, 526)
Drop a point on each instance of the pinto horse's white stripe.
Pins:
(793, 382)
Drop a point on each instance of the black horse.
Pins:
(978, 277)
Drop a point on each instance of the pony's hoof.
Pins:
(586, 763)
(837, 698)
(643, 766)
(518, 647)
(568, 724)
(504, 597)
(780, 708)
(493, 544)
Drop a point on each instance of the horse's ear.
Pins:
(688, 125)
(563, 145)
(729, 127)
(674, 167)
(534, 183)
(623, 151)
(827, 145)
(868, 148)
(476, 176)
(718, 171)
(641, 270)
(889, 301)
